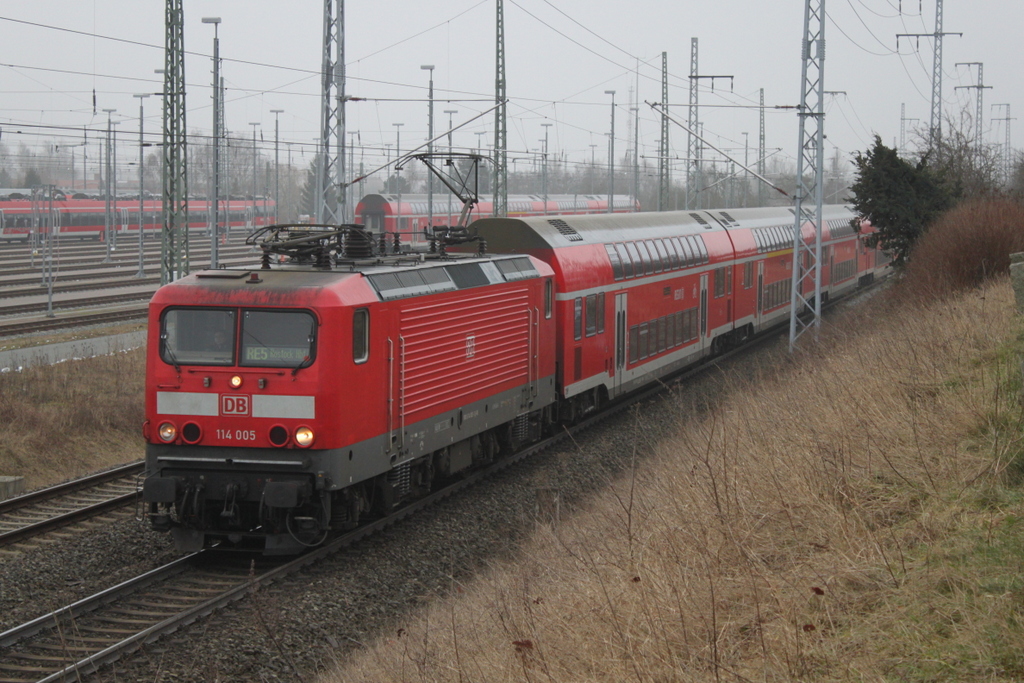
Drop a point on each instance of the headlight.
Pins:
(304, 436)
(236, 381)
(167, 432)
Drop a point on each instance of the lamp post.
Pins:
(746, 165)
(106, 191)
(430, 145)
(611, 155)
(215, 180)
(593, 167)
(450, 112)
(142, 194)
(277, 166)
(398, 177)
(547, 127)
(253, 124)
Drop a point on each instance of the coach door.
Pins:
(703, 308)
(620, 341)
(760, 293)
(124, 220)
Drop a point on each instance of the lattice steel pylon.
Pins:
(331, 207)
(693, 147)
(935, 127)
(762, 188)
(174, 258)
(500, 184)
(664, 177)
(806, 262)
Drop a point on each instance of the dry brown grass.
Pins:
(73, 418)
(852, 514)
(964, 247)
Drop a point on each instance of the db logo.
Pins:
(234, 404)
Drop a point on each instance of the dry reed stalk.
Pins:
(65, 420)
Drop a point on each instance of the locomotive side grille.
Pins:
(566, 229)
(521, 428)
(700, 219)
(483, 346)
(401, 478)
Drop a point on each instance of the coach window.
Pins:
(615, 261)
(666, 264)
(600, 313)
(361, 335)
(645, 257)
(591, 315)
(577, 329)
(652, 248)
(688, 258)
(719, 282)
(748, 275)
(634, 255)
(627, 264)
(548, 298)
(673, 250)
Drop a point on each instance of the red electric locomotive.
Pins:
(283, 402)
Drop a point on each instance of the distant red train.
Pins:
(85, 218)
(292, 400)
(383, 212)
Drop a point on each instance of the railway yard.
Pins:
(87, 289)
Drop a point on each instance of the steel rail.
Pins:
(34, 497)
(78, 320)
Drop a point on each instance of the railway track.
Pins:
(79, 319)
(39, 512)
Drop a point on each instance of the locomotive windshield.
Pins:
(198, 336)
(206, 336)
(277, 339)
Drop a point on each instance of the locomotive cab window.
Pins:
(549, 298)
(198, 336)
(361, 335)
(277, 339)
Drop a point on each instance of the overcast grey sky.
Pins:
(562, 56)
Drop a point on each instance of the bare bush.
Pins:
(965, 247)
